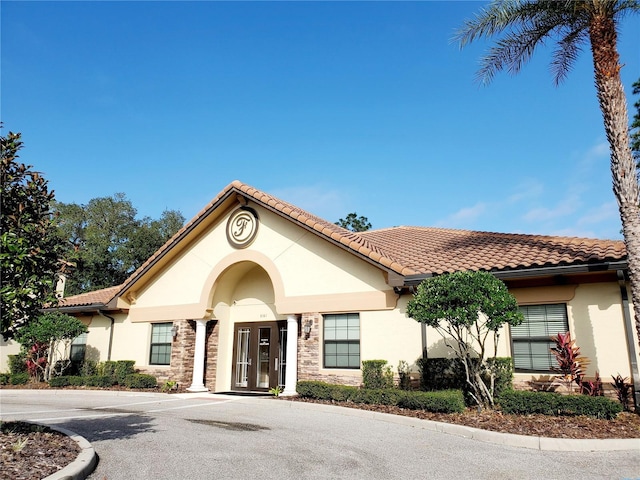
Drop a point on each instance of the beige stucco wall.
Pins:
(6, 349)
(596, 322)
(281, 248)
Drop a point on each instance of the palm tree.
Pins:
(522, 25)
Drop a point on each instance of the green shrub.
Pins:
(77, 381)
(85, 368)
(107, 369)
(122, 369)
(441, 374)
(388, 396)
(404, 375)
(5, 378)
(449, 374)
(343, 393)
(59, 381)
(376, 374)
(314, 389)
(105, 381)
(117, 369)
(69, 380)
(547, 403)
(18, 363)
(140, 380)
(444, 401)
(18, 378)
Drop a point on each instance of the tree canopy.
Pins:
(354, 223)
(29, 254)
(44, 337)
(105, 242)
(467, 309)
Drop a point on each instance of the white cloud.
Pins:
(464, 217)
(530, 188)
(600, 214)
(597, 152)
(569, 205)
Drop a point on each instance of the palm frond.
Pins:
(566, 53)
(523, 25)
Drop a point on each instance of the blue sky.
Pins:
(333, 106)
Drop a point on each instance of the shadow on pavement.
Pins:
(119, 426)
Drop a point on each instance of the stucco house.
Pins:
(254, 292)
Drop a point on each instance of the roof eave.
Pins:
(412, 280)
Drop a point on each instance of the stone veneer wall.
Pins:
(309, 359)
(211, 354)
(182, 352)
(182, 349)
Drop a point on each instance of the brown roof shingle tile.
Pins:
(438, 250)
(97, 297)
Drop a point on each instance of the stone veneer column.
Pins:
(197, 384)
(291, 375)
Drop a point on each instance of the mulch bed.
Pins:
(626, 425)
(33, 452)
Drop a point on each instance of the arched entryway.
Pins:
(253, 352)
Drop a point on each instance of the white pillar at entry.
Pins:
(197, 384)
(291, 374)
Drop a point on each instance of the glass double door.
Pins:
(259, 355)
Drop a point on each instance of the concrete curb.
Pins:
(498, 438)
(85, 462)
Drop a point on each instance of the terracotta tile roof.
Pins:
(403, 250)
(439, 250)
(97, 297)
(349, 239)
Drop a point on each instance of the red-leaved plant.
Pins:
(571, 365)
(592, 388)
(623, 390)
(37, 360)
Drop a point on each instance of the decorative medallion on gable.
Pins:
(242, 227)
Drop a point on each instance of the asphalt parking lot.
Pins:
(157, 436)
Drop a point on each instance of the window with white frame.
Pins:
(342, 340)
(78, 348)
(160, 353)
(531, 340)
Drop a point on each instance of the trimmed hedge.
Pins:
(105, 381)
(118, 369)
(450, 401)
(18, 378)
(59, 381)
(443, 401)
(548, 403)
(140, 380)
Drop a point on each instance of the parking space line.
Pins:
(42, 411)
(81, 417)
(189, 406)
(135, 403)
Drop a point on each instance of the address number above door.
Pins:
(242, 227)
